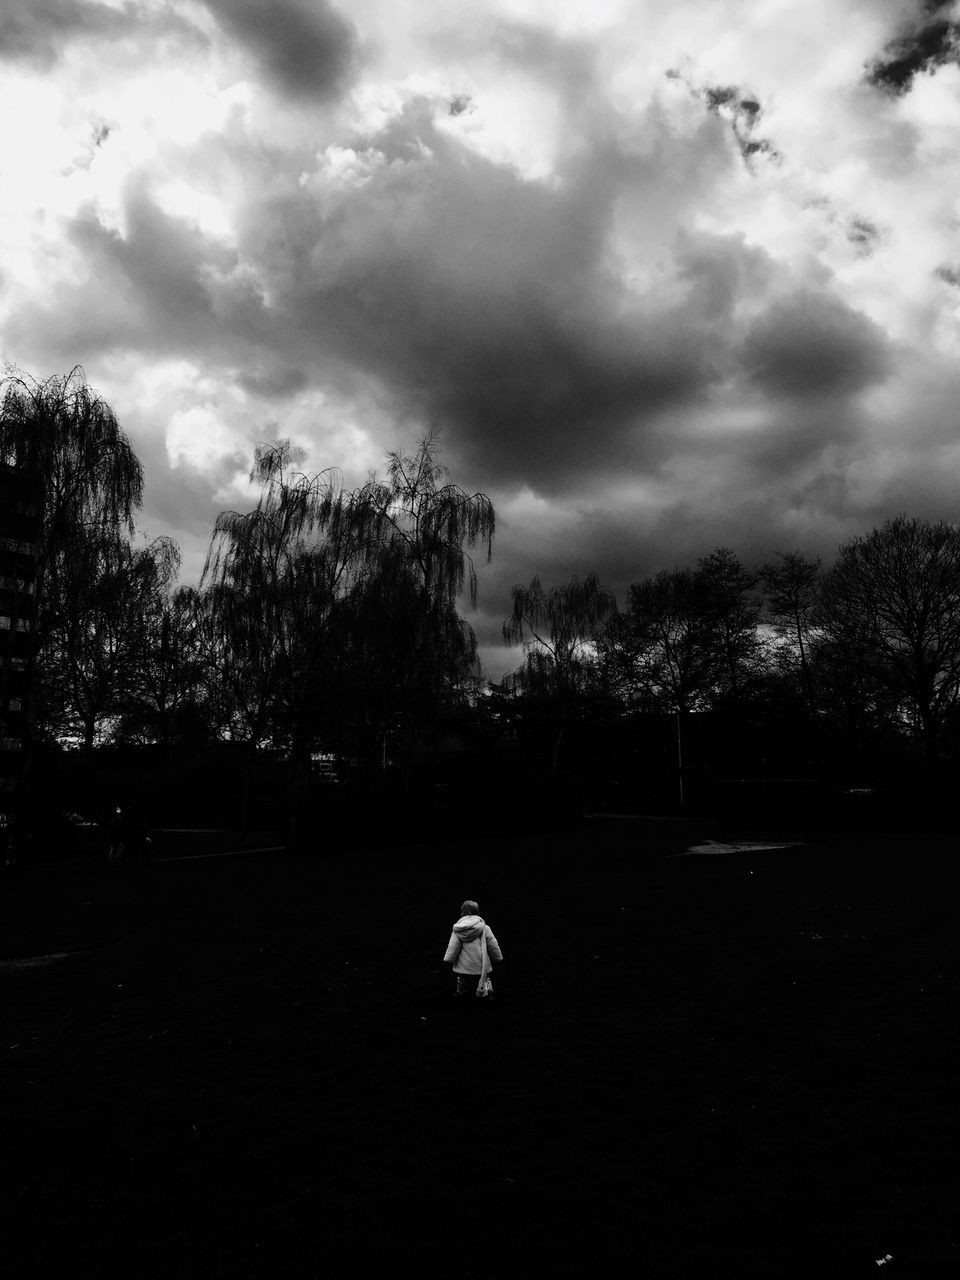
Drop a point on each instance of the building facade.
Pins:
(19, 531)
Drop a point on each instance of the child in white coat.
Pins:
(472, 950)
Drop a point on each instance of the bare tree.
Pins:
(891, 606)
(98, 628)
(791, 584)
(170, 676)
(667, 645)
(689, 636)
(734, 613)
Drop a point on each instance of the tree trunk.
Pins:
(245, 793)
(555, 753)
(930, 733)
(806, 680)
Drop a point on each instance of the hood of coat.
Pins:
(468, 928)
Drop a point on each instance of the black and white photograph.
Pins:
(479, 638)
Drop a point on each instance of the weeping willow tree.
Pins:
(556, 628)
(427, 522)
(83, 480)
(336, 611)
(65, 439)
(417, 526)
(270, 581)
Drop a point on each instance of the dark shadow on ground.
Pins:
(253, 1067)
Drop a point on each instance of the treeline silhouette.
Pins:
(772, 689)
(321, 673)
(325, 622)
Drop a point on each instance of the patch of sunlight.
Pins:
(738, 846)
(32, 962)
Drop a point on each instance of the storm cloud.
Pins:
(304, 47)
(657, 289)
(814, 345)
(929, 39)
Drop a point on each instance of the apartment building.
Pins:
(19, 530)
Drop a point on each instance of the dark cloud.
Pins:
(273, 380)
(177, 499)
(863, 234)
(741, 110)
(305, 47)
(37, 31)
(160, 286)
(458, 295)
(812, 345)
(720, 271)
(625, 546)
(485, 302)
(630, 389)
(481, 304)
(931, 40)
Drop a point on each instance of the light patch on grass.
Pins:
(32, 962)
(737, 846)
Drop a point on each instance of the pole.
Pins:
(679, 758)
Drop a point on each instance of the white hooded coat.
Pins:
(470, 945)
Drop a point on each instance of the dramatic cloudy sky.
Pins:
(664, 275)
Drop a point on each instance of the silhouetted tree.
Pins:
(791, 585)
(270, 580)
(88, 481)
(859, 720)
(418, 513)
(557, 628)
(890, 608)
(734, 613)
(335, 611)
(688, 637)
(416, 528)
(172, 676)
(62, 433)
(666, 648)
(97, 632)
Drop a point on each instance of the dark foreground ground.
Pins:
(695, 1066)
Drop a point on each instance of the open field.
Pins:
(695, 1066)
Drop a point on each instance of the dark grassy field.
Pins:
(253, 1067)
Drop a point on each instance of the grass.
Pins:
(253, 1066)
